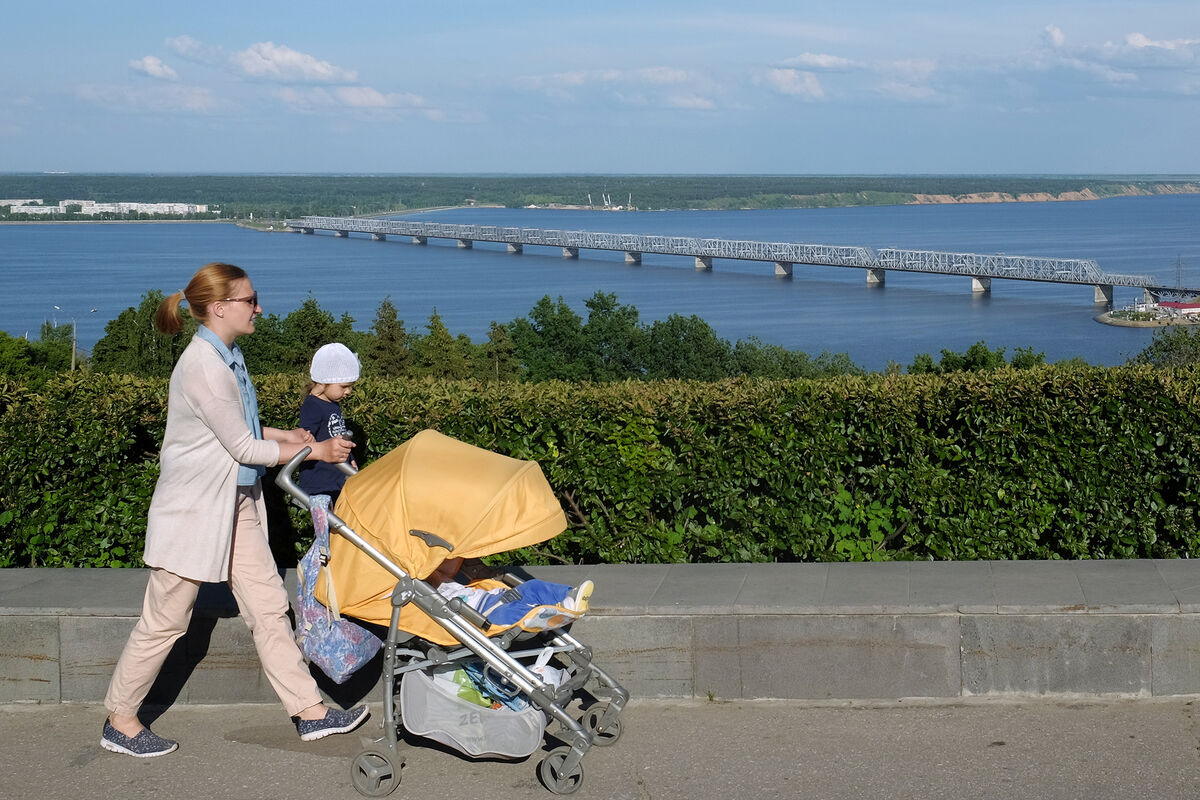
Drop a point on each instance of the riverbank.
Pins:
(1108, 319)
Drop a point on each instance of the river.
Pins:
(108, 267)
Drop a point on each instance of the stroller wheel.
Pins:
(373, 773)
(550, 771)
(601, 738)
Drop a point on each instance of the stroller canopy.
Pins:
(428, 491)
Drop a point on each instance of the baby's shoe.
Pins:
(579, 598)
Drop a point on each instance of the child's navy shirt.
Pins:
(323, 420)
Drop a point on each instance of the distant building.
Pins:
(90, 208)
(1181, 308)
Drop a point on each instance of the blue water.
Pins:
(108, 267)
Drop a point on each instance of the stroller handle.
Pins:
(285, 481)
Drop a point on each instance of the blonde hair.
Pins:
(211, 283)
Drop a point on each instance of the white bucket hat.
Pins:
(334, 363)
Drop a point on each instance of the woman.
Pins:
(207, 520)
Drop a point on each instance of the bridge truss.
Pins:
(974, 265)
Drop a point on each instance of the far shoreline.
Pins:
(977, 198)
(1108, 319)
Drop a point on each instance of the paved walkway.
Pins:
(670, 750)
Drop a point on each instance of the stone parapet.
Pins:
(729, 631)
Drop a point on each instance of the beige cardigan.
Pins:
(190, 526)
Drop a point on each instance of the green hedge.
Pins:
(1042, 463)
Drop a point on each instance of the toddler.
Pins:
(334, 370)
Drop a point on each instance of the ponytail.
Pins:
(168, 318)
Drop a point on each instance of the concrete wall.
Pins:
(805, 631)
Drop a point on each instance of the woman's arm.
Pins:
(295, 440)
(294, 435)
(332, 451)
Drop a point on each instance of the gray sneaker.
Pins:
(334, 721)
(145, 745)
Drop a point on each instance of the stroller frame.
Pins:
(376, 771)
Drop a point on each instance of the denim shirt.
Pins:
(248, 474)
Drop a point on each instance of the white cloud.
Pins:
(560, 81)
(908, 92)
(279, 62)
(690, 101)
(191, 49)
(1139, 41)
(911, 70)
(659, 75)
(1055, 36)
(157, 97)
(794, 83)
(353, 97)
(821, 61)
(643, 87)
(1098, 70)
(154, 67)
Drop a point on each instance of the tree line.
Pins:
(289, 196)
(551, 342)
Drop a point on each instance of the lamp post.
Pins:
(74, 333)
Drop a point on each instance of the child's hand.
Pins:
(332, 451)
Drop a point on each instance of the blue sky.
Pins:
(1008, 86)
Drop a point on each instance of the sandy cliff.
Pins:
(1044, 197)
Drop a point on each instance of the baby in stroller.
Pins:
(507, 605)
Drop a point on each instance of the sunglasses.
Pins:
(252, 300)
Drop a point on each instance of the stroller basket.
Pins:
(432, 708)
(397, 520)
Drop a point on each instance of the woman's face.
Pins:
(236, 313)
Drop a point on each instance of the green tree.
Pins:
(687, 348)
(16, 357)
(1171, 347)
(52, 351)
(551, 343)
(496, 359)
(388, 350)
(976, 358)
(441, 355)
(131, 345)
(614, 338)
(1025, 358)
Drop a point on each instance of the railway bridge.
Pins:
(980, 268)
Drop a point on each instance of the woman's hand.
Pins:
(293, 436)
(332, 451)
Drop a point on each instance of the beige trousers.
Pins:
(262, 600)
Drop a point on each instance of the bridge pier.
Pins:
(420, 239)
(981, 285)
(1149, 297)
(783, 269)
(515, 248)
(632, 257)
(875, 277)
(570, 252)
(704, 263)
(341, 234)
(308, 230)
(379, 237)
(1103, 294)
(466, 244)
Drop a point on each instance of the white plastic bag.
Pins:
(552, 676)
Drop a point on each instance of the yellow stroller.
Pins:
(399, 518)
